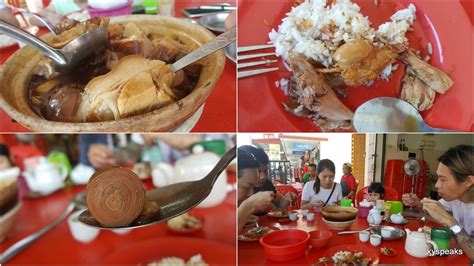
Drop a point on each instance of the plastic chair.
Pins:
(390, 194)
(21, 152)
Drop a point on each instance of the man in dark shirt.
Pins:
(264, 184)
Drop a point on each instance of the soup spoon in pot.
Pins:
(69, 56)
(174, 199)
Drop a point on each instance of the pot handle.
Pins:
(435, 246)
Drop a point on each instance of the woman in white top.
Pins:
(322, 191)
(455, 185)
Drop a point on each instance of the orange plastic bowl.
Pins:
(285, 245)
(319, 238)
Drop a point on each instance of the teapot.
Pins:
(374, 218)
(45, 178)
(416, 244)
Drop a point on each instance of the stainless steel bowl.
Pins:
(214, 22)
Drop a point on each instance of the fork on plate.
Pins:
(240, 58)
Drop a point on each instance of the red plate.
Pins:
(443, 23)
(182, 247)
(368, 251)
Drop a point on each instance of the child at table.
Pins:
(375, 192)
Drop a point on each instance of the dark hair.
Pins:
(460, 161)
(324, 164)
(376, 187)
(258, 152)
(4, 150)
(312, 165)
(245, 160)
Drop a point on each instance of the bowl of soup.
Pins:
(127, 87)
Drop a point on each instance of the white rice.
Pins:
(429, 47)
(195, 260)
(305, 29)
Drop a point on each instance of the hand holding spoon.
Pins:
(174, 199)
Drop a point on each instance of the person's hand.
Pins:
(230, 21)
(100, 156)
(261, 201)
(437, 211)
(316, 204)
(410, 199)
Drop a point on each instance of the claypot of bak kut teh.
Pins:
(17, 73)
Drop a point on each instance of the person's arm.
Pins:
(180, 142)
(260, 201)
(466, 243)
(437, 211)
(352, 187)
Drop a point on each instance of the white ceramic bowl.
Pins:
(80, 231)
(338, 225)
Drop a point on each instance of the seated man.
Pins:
(455, 186)
(311, 174)
(264, 183)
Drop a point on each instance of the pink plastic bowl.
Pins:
(125, 9)
(363, 211)
(285, 245)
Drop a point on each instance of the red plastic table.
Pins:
(251, 253)
(59, 247)
(219, 113)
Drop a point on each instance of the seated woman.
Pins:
(375, 192)
(455, 186)
(248, 201)
(322, 191)
(348, 182)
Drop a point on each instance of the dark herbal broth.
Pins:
(60, 103)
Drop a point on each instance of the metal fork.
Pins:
(247, 73)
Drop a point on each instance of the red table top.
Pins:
(252, 252)
(58, 245)
(220, 105)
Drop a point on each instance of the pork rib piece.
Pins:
(436, 79)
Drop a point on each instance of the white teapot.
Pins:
(416, 244)
(191, 168)
(45, 178)
(196, 167)
(374, 218)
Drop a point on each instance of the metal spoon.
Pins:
(69, 56)
(76, 202)
(386, 114)
(174, 199)
(215, 44)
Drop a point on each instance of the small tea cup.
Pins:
(80, 231)
(386, 232)
(375, 240)
(364, 236)
(293, 216)
(310, 216)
